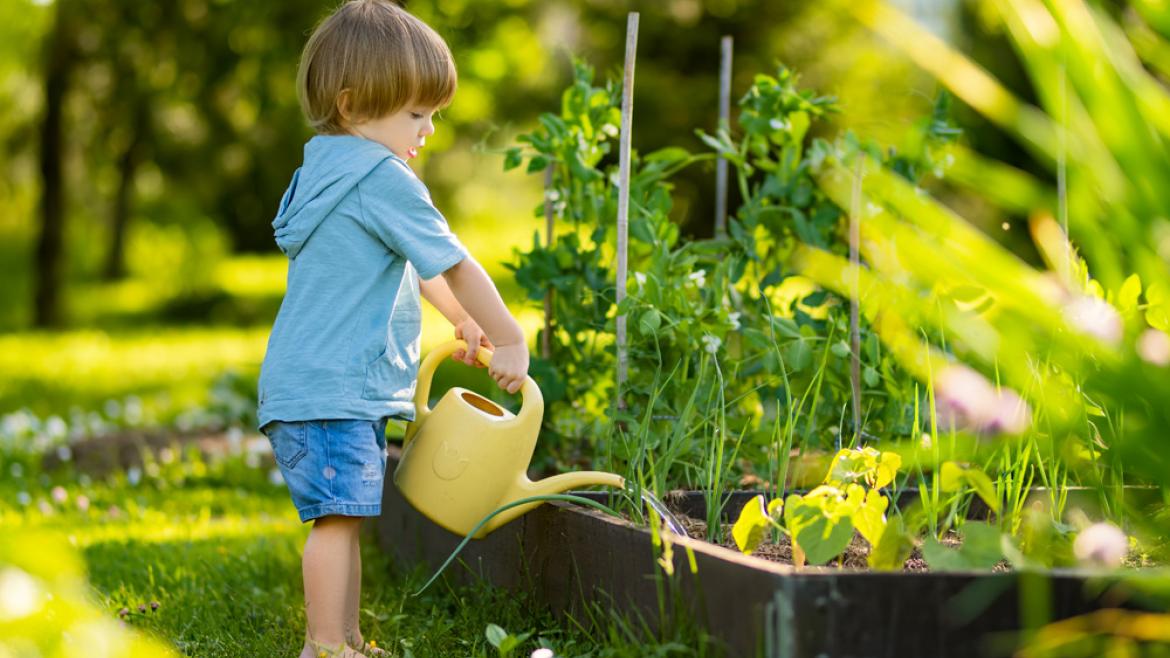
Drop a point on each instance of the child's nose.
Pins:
(428, 128)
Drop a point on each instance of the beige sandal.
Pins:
(327, 651)
(371, 648)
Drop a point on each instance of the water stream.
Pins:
(671, 521)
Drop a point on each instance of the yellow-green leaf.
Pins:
(983, 486)
(1127, 296)
(950, 476)
(887, 468)
(749, 529)
(870, 518)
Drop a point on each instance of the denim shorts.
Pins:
(331, 467)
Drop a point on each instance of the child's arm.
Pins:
(438, 293)
(475, 292)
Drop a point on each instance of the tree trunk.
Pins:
(124, 197)
(48, 262)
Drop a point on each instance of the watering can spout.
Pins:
(526, 488)
(566, 481)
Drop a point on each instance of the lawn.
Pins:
(205, 557)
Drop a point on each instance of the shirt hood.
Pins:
(333, 165)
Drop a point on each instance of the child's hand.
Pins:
(510, 366)
(469, 331)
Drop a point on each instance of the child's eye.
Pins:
(416, 115)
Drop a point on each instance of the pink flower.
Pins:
(1154, 347)
(1095, 317)
(59, 494)
(964, 399)
(1101, 544)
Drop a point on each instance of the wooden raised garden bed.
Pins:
(569, 557)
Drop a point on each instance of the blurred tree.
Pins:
(60, 59)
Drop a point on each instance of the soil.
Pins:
(856, 555)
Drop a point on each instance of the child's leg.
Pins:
(353, 629)
(328, 568)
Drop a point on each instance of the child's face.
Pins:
(404, 132)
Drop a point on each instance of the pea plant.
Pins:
(729, 349)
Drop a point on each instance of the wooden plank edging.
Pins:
(569, 557)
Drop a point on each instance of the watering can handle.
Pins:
(533, 401)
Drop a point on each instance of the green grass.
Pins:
(220, 554)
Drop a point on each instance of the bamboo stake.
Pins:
(623, 224)
(724, 124)
(854, 319)
(545, 339)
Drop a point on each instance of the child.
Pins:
(363, 240)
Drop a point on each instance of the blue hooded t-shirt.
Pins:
(359, 229)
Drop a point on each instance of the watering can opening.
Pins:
(483, 404)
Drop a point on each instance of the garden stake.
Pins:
(854, 320)
(623, 216)
(725, 125)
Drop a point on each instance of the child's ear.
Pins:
(343, 105)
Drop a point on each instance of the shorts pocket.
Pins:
(289, 444)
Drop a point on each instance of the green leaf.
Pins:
(538, 163)
(495, 635)
(983, 486)
(820, 538)
(512, 158)
(669, 155)
(981, 549)
(870, 376)
(954, 476)
(893, 548)
(649, 323)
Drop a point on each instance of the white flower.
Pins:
(699, 278)
(1095, 317)
(133, 410)
(543, 653)
(640, 278)
(134, 475)
(552, 195)
(275, 477)
(64, 453)
(20, 595)
(1101, 544)
(1154, 347)
(711, 343)
(926, 441)
(56, 427)
(612, 131)
(779, 124)
(733, 318)
(23, 498)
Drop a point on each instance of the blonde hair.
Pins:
(383, 57)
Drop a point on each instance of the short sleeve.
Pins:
(397, 209)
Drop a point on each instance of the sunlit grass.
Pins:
(213, 569)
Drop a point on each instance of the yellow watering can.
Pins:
(469, 456)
